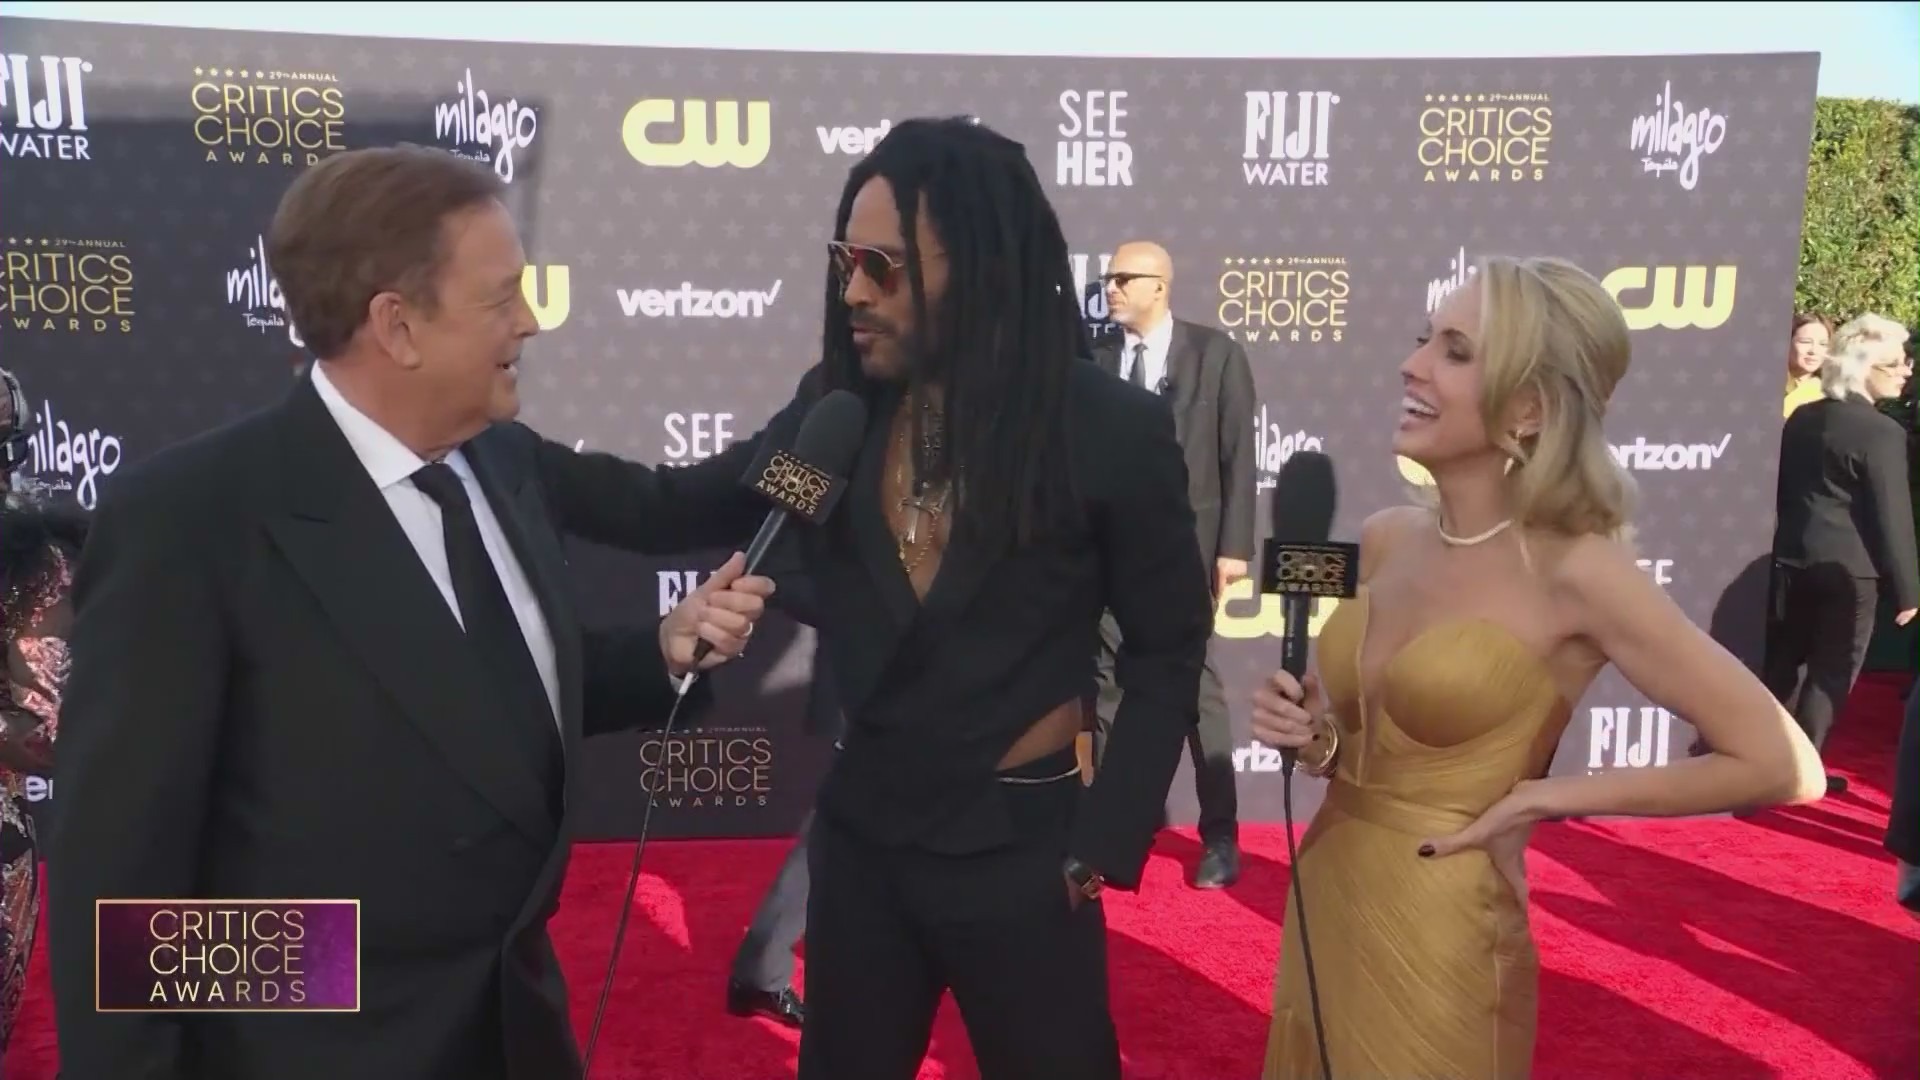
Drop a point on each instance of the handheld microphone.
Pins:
(806, 482)
(1299, 564)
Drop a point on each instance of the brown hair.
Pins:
(365, 222)
(1803, 318)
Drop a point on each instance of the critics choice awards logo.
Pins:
(258, 116)
(1286, 137)
(59, 285)
(721, 769)
(1485, 138)
(43, 107)
(478, 125)
(1284, 299)
(227, 956)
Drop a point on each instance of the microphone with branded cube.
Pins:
(1301, 565)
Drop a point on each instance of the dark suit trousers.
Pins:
(1210, 745)
(889, 930)
(765, 958)
(1819, 617)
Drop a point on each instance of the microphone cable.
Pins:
(1287, 758)
(633, 877)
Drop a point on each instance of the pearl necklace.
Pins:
(1469, 541)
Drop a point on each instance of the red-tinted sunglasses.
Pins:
(885, 271)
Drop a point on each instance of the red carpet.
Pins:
(1716, 949)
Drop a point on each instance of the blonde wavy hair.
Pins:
(1550, 330)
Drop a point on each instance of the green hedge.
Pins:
(1859, 252)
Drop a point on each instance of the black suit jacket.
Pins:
(1209, 386)
(1843, 497)
(935, 694)
(269, 698)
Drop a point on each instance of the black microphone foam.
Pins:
(1304, 498)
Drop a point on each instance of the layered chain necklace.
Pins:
(926, 501)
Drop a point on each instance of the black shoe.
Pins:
(782, 1007)
(1219, 867)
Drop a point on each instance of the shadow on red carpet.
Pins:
(1733, 949)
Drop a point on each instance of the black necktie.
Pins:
(1138, 374)
(492, 628)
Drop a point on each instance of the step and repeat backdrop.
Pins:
(675, 205)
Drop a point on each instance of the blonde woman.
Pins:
(1445, 685)
(1843, 527)
(1807, 346)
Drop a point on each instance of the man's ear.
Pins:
(387, 323)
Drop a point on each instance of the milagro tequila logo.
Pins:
(1273, 445)
(43, 111)
(476, 125)
(254, 290)
(1459, 272)
(70, 458)
(1671, 139)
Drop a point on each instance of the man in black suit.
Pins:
(954, 846)
(328, 651)
(1205, 377)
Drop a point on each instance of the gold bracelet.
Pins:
(1321, 763)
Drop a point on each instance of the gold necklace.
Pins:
(911, 548)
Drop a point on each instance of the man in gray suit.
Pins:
(1205, 377)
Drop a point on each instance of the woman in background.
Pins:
(37, 548)
(1806, 351)
(1843, 527)
(1450, 678)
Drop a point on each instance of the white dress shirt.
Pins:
(392, 465)
(1158, 341)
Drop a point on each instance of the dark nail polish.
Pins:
(1426, 850)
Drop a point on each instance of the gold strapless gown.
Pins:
(1426, 967)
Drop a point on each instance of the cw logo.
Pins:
(1268, 619)
(727, 147)
(1674, 305)
(559, 292)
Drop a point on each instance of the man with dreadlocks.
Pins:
(1008, 492)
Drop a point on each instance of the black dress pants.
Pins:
(1209, 744)
(1819, 617)
(890, 930)
(764, 960)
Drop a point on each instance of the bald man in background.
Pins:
(1205, 377)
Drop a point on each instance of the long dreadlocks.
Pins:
(1001, 345)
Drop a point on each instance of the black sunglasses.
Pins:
(881, 267)
(1123, 279)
